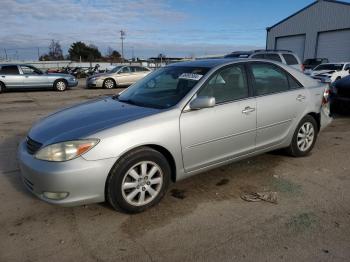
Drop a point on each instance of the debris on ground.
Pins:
(268, 196)
(178, 193)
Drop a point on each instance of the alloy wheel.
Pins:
(142, 183)
(109, 83)
(61, 86)
(306, 136)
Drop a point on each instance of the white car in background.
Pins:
(331, 71)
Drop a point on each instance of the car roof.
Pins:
(209, 63)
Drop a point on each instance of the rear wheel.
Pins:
(2, 87)
(109, 83)
(60, 85)
(138, 181)
(304, 137)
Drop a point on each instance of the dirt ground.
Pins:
(201, 219)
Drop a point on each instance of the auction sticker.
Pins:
(190, 76)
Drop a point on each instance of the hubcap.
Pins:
(306, 135)
(61, 85)
(109, 84)
(142, 183)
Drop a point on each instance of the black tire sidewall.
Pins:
(293, 148)
(114, 182)
(2, 88)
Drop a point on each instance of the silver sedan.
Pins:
(118, 76)
(178, 121)
(27, 76)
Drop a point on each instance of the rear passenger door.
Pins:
(280, 99)
(9, 75)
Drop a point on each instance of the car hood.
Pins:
(102, 75)
(86, 119)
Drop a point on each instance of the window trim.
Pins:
(250, 90)
(252, 79)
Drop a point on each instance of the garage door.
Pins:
(294, 43)
(334, 45)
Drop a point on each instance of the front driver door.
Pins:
(213, 135)
(32, 77)
(124, 76)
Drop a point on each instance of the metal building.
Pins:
(321, 29)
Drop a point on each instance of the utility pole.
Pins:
(38, 54)
(5, 53)
(122, 37)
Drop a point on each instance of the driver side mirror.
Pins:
(202, 102)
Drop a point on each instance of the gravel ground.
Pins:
(202, 218)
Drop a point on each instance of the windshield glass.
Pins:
(164, 87)
(336, 67)
(115, 69)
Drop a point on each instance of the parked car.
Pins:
(178, 121)
(27, 76)
(283, 56)
(340, 96)
(309, 64)
(118, 76)
(331, 71)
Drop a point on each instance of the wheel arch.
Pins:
(317, 117)
(60, 79)
(165, 152)
(111, 78)
(3, 84)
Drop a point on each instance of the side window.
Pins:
(9, 70)
(290, 59)
(228, 84)
(125, 69)
(28, 70)
(293, 84)
(268, 79)
(274, 57)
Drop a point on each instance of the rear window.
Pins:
(9, 70)
(290, 59)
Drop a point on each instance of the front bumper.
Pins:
(73, 83)
(97, 83)
(83, 180)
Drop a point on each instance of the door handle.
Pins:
(300, 97)
(248, 110)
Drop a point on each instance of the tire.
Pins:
(60, 85)
(304, 137)
(2, 87)
(109, 83)
(139, 180)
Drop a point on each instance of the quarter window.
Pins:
(290, 59)
(268, 79)
(227, 85)
(9, 70)
(274, 57)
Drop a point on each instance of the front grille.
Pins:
(33, 146)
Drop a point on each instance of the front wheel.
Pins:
(109, 83)
(2, 87)
(304, 137)
(138, 181)
(60, 85)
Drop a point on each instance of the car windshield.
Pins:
(336, 67)
(115, 69)
(164, 87)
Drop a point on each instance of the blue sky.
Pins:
(171, 27)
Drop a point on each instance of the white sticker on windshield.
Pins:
(190, 76)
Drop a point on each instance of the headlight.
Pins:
(93, 78)
(66, 150)
(72, 79)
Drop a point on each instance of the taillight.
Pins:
(326, 94)
(302, 67)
